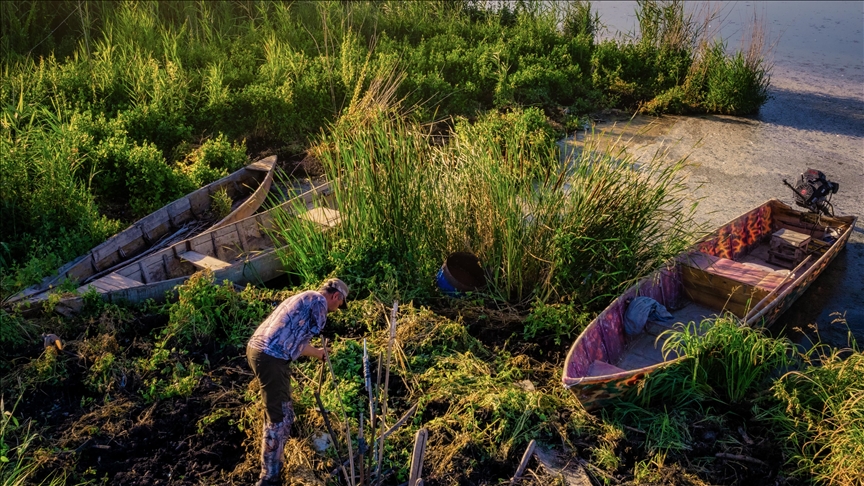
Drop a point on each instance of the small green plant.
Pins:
(48, 369)
(559, 321)
(166, 376)
(101, 374)
(648, 471)
(220, 203)
(205, 311)
(212, 417)
(605, 454)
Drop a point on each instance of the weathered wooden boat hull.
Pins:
(241, 252)
(249, 186)
(757, 297)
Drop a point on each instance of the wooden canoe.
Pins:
(241, 252)
(730, 270)
(181, 219)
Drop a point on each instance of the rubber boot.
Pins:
(273, 446)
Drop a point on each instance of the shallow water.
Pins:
(815, 118)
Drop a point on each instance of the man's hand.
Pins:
(314, 352)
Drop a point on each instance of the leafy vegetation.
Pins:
(820, 413)
(113, 109)
(120, 107)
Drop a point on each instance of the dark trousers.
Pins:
(275, 377)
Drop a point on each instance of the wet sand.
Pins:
(814, 119)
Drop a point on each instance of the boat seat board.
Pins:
(203, 261)
(745, 273)
(262, 165)
(324, 216)
(111, 282)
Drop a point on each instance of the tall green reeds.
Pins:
(729, 360)
(542, 228)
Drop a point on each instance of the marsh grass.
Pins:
(574, 231)
(726, 359)
(18, 450)
(820, 413)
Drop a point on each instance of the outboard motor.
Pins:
(814, 191)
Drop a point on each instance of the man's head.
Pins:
(336, 292)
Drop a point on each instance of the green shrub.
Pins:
(220, 154)
(734, 86)
(164, 375)
(559, 321)
(150, 182)
(207, 312)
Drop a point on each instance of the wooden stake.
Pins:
(361, 450)
(367, 376)
(417, 457)
(388, 433)
(524, 463)
(324, 413)
(386, 385)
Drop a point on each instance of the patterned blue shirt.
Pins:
(290, 327)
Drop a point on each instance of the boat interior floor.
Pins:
(646, 349)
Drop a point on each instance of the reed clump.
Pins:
(544, 229)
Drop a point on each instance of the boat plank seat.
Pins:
(203, 261)
(324, 216)
(601, 368)
(745, 273)
(263, 165)
(111, 282)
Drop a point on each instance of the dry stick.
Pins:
(597, 471)
(389, 432)
(344, 414)
(378, 404)
(361, 450)
(736, 457)
(367, 376)
(387, 385)
(523, 463)
(417, 457)
(324, 413)
(750, 315)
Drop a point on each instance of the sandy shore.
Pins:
(738, 163)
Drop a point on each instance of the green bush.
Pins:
(206, 312)
(561, 322)
(734, 86)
